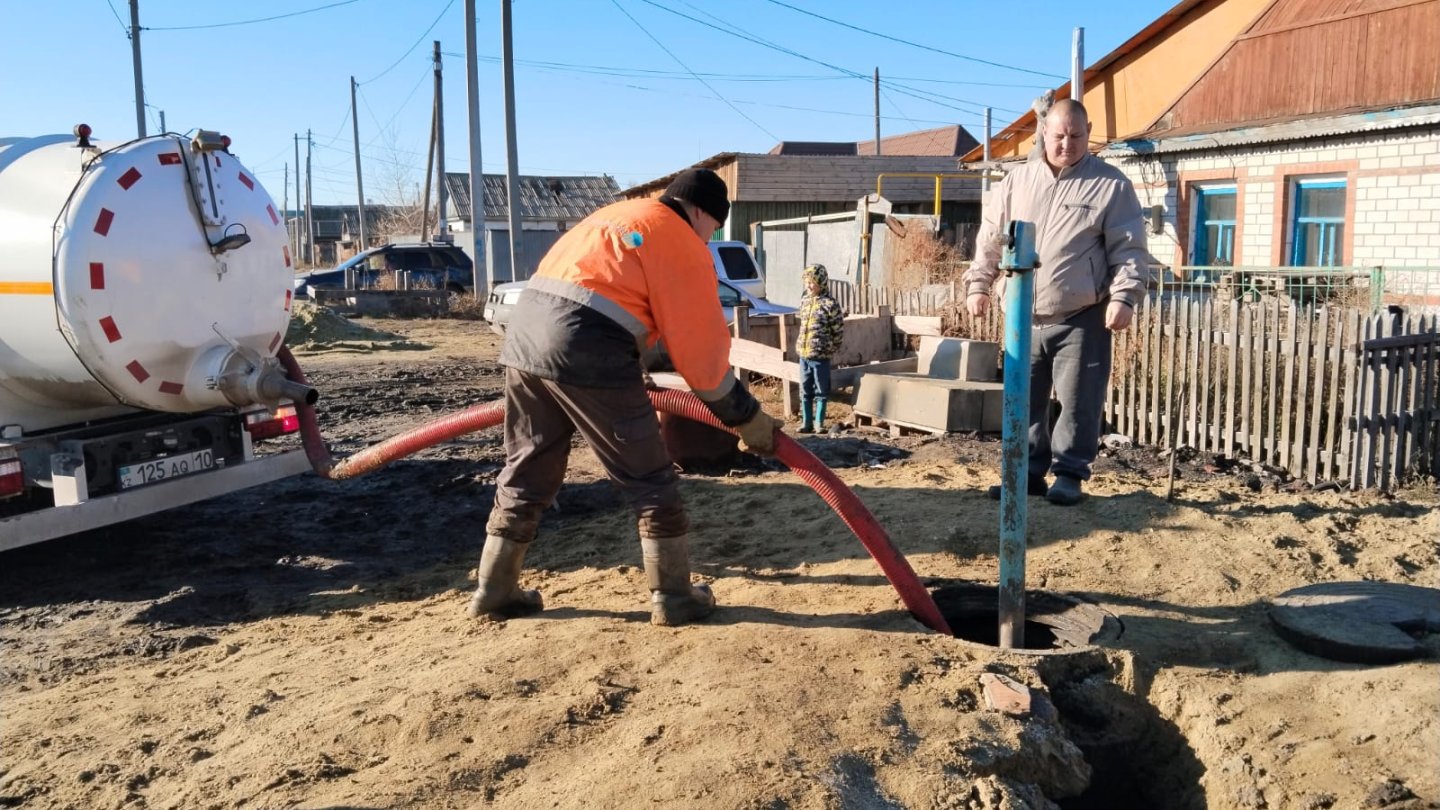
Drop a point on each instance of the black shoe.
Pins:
(1066, 491)
(1035, 487)
(805, 429)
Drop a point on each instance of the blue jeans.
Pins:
(814, 379)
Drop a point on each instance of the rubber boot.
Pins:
(820, 403)
(673, 600)
(498, 595)
(806, 426)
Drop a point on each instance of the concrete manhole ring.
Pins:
(1055, 623)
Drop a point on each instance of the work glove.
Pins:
(758, 435)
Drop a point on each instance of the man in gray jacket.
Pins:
(1089, 233)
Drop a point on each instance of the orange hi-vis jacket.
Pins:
(627, 277)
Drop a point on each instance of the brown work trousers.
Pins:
(621, 428)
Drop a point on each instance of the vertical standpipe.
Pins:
(1018, 262)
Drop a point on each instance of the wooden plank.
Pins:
(1426, 446)
(1149, 417)
(1350, 398)
(1247, 381)
(1208, 435)
(1172, 345)
(1231, 372)
(1272, 391)
(1370, 405)
(1299, 447)
(1404, 378)
(1120, 413)
(1430, 425)
(1386, 368)
(1287, 404)
(1322, 363)
(1194, 393)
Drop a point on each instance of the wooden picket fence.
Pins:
(1326, 394)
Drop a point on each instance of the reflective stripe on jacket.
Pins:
(1089, 233)
(629, 275)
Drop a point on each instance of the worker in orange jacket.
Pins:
(630, 275)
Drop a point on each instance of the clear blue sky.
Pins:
(597, 92)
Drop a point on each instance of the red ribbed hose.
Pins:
(679, 403)
(840, 498)
(476, 417)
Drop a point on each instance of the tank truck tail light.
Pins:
(12, 476)
(82, 135)
(269, 424)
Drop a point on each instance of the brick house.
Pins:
(1276, 132)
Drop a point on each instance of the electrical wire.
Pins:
(411, 49)
(248, 22)
(123, 26)
(740, 33)
(916, 44)
(682, 64)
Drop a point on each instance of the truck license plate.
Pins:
(159, 469)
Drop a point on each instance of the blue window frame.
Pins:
(1214, 226)
(1317, 226)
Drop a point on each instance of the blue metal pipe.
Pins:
(1019, 261)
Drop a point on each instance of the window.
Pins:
(1318, 227)
(1214, 226)
(738, 264)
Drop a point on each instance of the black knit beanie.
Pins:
(703, 189)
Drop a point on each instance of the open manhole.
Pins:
(1053, 622)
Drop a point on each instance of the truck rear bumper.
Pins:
(59, 521)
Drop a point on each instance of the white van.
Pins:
(736, 264)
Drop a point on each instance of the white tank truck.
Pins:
(145, 288)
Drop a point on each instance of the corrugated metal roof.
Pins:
(1275, 131)
(541, 198)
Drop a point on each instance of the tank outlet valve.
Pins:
(244, 378)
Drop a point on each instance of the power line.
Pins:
(678, 61)
(419, 40)
(736, 31)
(915, 44)
(248, 22)
(123, 26)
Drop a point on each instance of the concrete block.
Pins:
(915, 400)
(957, 359)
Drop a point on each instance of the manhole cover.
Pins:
(1359, 622)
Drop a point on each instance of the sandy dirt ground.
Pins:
(305, 644)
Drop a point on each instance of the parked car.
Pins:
(736, 264)
(501, 303)
(431, 265)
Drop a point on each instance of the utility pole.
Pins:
(1077, 65)
(359, 179)
(512, 160)
(985, 183)
(309, 206)
(877, 111)
(429, 168)
(299, 238)
(441, 226)
(477, 172)
(135, 57)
